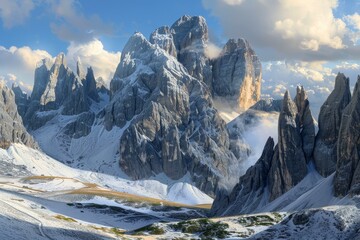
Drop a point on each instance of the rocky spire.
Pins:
(347, 177)
(90, 85)
(42, 74)
(325, 156)
(79, 69)
(289, 163)
(306, 122)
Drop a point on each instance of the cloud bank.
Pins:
(304, 30)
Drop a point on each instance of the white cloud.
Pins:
(18, 64)
(353, 20)
(212, 51)
(318, 78)
(93, 54)
(303, 30)
(15, 12)
(73, 26)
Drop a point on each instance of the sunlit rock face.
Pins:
(237, 74)
(234, 75)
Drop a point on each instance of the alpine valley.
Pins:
(159, 154)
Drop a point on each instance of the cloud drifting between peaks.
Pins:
(304, 30)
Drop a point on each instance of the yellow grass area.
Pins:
(68, 219)
(50, 178)
(95, 190)
(133, 198)
(21, 187)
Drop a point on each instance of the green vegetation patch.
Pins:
(260, 220)
(151, 229)
(205, 228)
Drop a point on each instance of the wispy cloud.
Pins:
(72, 25)
(15, 12)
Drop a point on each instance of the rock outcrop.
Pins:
(237, 74)
(347, 177)
(11, 126)
(279, 168)
(172, 127)
(325, 151)
(234, 75)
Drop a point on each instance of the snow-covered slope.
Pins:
(36, 163)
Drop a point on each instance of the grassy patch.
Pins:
(205, 228)
(260, 220)
(151, 229)
(68, 219)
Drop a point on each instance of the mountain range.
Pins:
(160, 125)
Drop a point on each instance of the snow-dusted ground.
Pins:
(39, 200)
(42, 198)
(37, 163)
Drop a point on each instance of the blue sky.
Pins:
(122, 17)
(299, 42)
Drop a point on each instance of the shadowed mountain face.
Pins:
(325, 152)
(347, 177)
(336, 149)
(11, 125)
(278, 169)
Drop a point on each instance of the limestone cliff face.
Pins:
(237, 74)
(347, 177)
(234, 75)
(11, 125)
(288, 166)
(171, 125)
(325, 152)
